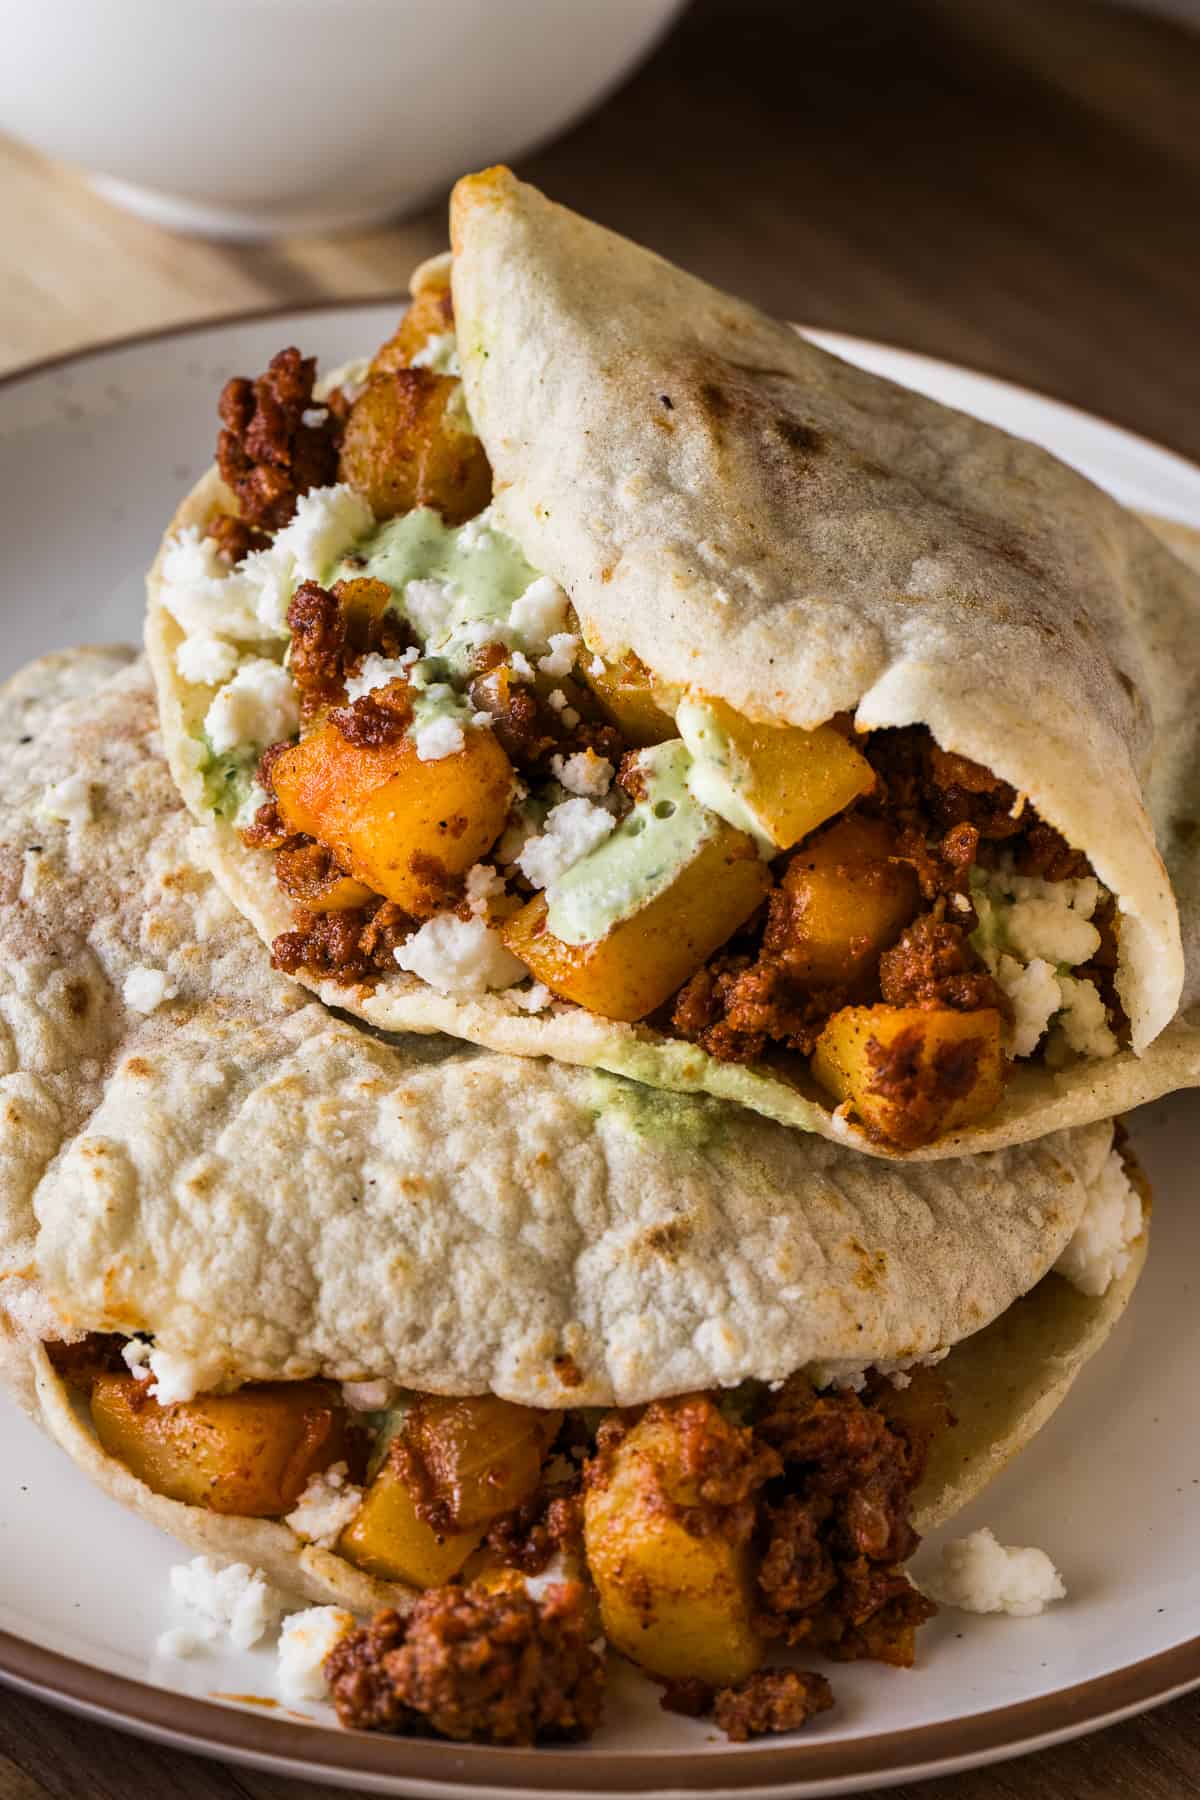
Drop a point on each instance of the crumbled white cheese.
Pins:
(258, 707)
(570, 831)
(460, 956)
(1098, 1254)
(534, 999)
(1083, 1021)
(136, 1357)
(476, 534)
(327, 523)
(314, 417)
(979, 1575)
(564, 647)
(377, 671)
(145, 989)
(584, 773)
(483, 886)
(184, 1640)
(539, 614)
(1030, 933)
(441, 737)
(596, 667)
(305, 1640)
(69, 801)
(557, 699)
(236, 1598)
(202, 594)
(368, 1396)
(175, 1377)
(429, 604)
(326, 1506)
(205, 659)
(853, 1375)
(521, 666)
(1035, 996)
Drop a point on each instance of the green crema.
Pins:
(453, 584)
(665, 831)
(227, 779)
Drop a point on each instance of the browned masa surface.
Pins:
(1011, 184)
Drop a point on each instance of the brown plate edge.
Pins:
(209, 1728)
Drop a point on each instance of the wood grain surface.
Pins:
(1012, 184)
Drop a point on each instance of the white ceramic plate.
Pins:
(94, 452)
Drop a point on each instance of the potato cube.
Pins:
(250, 1453)
(308, 874)
(840, 904)
(677, 1602)
(625, 692)
(471, 1459)
(645, 958)
(407, 443)
(910, 1073)
(408, 829)
(387, 1536)
(788, 781)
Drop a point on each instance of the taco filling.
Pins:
(405, 714)
(696, 1535)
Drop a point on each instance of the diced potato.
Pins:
(483, 1454)
(624, 691)
(250, 1453)
(912, 1074)
(790, 780)
(431, 314)
(480, 1457)
(644, 959)
(406, 444)
(388, 1538)
(845, 904)
(677, 1603)
(406, 828)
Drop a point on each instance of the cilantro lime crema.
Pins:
(459, 586)
(719, 776)
(665, 831)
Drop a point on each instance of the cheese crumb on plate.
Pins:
(979, 1575)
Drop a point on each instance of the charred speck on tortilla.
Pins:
(546, 771)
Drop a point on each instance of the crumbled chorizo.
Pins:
(351, 947)
(933, 964)
(771, 1700)
(528, 729)
(79, 1363)
(380, 717)
(318, 648)
(234, 537)
(267, 453)
(474, 1665)
(839, 1527)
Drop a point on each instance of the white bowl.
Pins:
(248, 118)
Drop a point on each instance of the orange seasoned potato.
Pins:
(644, 959)
(790, 780)
(912, 1074)
(677, 1603)
(841, 903)
(430, 315)
(624, 691)
(407, 829)
(407, 444)
(387, 1537)
(250, 1453)
(478, 1457)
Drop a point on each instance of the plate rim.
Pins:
(208, 1727)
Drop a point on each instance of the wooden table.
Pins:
(1013, 184)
